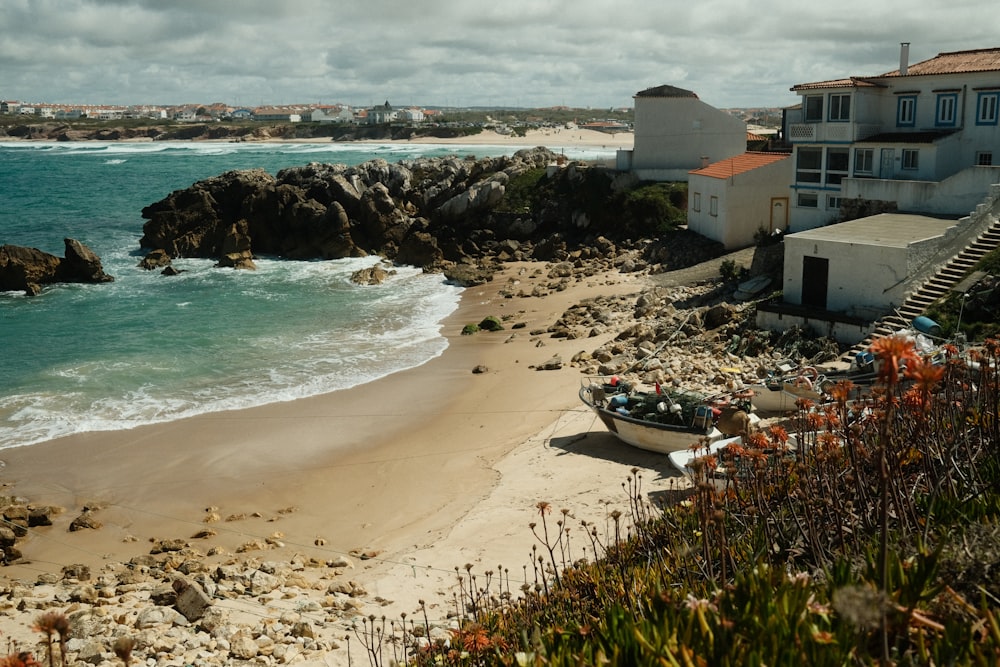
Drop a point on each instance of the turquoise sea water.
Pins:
(147, 348)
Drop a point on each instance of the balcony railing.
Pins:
(832, 132)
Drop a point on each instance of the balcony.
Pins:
(844, 133)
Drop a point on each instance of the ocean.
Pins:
(149, 348)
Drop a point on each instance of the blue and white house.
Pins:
(923, 138)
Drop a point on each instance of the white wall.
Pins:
(676, 132)
(859, 274)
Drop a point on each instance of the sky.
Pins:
(462, 53)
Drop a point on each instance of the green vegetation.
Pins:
(730, 271)
(871, 541)
(491, 323)
(469, 329)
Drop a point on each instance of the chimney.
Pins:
(904, 58)
(704, 161)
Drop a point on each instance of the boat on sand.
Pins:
(663, 420)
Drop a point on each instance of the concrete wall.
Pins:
(956, 195)
(677, 132)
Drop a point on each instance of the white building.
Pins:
(839, 279)
(922, 138)
(381, 115)
(733, 200)
(338, 114)
(676, 132)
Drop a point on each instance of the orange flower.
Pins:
(893, 352)
(778, 434)
(841, 391)
(757, 440)
(924, 374)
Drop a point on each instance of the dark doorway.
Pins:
(815, 278)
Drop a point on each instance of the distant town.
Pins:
(504, 120)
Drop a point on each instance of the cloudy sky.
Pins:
(528, 53)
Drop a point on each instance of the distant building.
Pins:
(675, 132)
(334, 114)
(10, 106)
(381, 115)
(273, 115)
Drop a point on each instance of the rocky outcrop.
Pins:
(29, 269)
(442, 214)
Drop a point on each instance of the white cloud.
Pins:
(507, 52)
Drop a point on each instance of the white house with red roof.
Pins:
(922, 138)
(734, 200)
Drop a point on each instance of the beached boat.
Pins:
(781, 391)
(662, 421)
(719, 465)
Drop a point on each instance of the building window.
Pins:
(986, 108)
(984, 158)
(837, 164)
(808, 200)
(833, 203)
(946, 105)
(814, 108)
(696, 203)
(840, 107)
(864, 160)
(906, 111)
(713, 206)
(910, 158)
(809, 165)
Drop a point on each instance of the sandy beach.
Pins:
(407, 477)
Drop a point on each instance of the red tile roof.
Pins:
(739, 164)
(850, 82)
(955, 62)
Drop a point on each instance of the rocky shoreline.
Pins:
(190, 600)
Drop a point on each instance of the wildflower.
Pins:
(23, 659)
(925, 375)
(543, 507)
(758, 440)
(778, 434)
(841, 391)
(893, 352)
(815, 421)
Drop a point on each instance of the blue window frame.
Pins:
(987, 108)
(947, 110)
(906, 111)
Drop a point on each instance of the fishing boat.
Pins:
(721, 465)
(781, 391)
(662, 420)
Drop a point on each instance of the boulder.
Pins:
(192, 602)
(28, 269)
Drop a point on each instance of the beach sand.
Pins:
(423, 471)
(410, 476)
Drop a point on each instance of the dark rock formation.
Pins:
(28, 269)
(435, 213)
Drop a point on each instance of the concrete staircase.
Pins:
(952, 276)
